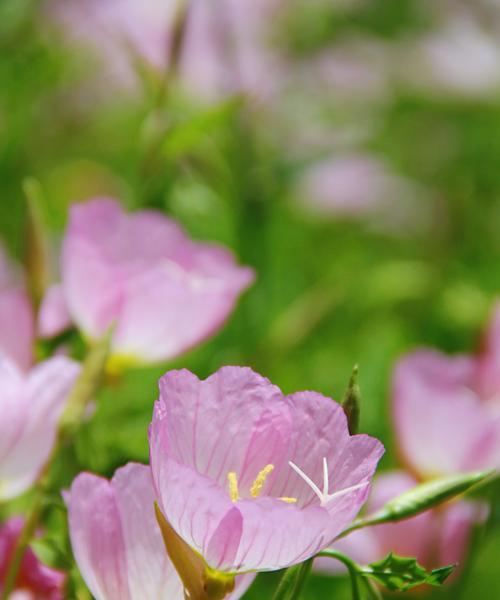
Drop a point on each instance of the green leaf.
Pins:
(398, 573)
(186, 136)
(352, 402)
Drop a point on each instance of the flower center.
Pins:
(324, 496)
(256, 487)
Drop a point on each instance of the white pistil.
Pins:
(324, 496)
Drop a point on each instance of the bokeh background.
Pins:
(357, 169)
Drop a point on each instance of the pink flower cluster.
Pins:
(140, 274)
(250, 479)
(241, 478)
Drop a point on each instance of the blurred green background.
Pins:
(332, 290)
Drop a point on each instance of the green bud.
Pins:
(352, 402)
(427, 495)
(421, 498)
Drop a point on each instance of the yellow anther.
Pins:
(260, 480)
(288, 500)
(232, 481)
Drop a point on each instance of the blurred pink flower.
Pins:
(436, 538)
(116, 539)
(17, 328)
(460, 58)
(163, 291)
(362, 186)
(31, 406)
(35, 581)
(349, 184)
(252, 479)
(447, 409)
(224, 48)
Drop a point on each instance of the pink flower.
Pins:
(461, 58)
(31, 405)
(35, 580)
(436, 538)
(447, 409)
(164, 292)
(252, 479)
(17, 328)
(225, 45)
(350, 184)
(116, 539)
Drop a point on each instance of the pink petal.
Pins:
(53, 316)
(488, 368)
(457, 523)
(17, 329)
(441, 424)
(149, 570)
(97, 537)
(32, 405)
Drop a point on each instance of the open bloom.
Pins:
(436, 538)
(252, 479)
(116, 539)
(31, 405)
(163, 292)
(35, 581)
(447, 409)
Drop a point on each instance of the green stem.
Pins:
(352, 567)
(292, 583)
(83, 391)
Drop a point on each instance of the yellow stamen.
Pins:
(288, 500)
(232, 481)
(260, 480)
